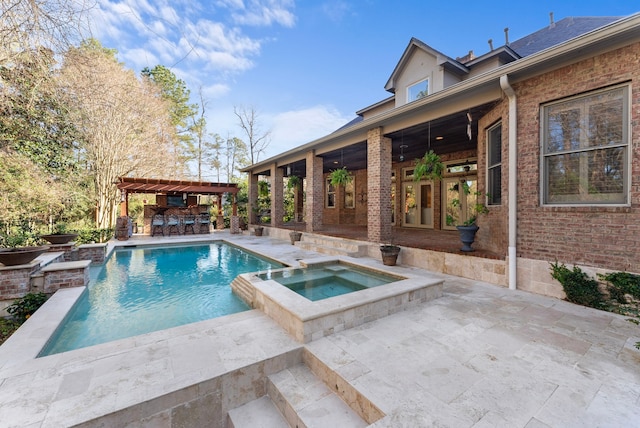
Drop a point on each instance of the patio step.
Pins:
(306, 401)
(243, 289)
(332, 245)
(260, 413)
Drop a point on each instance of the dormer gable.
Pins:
(421, 71)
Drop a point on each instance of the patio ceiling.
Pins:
(447, 134)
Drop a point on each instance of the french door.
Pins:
(417, 204)
(460, 197)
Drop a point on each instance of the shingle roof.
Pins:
(559, 32)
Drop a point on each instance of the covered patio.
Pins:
(178, 208)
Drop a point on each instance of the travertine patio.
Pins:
(480, 355)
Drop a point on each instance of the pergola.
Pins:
(128, 185)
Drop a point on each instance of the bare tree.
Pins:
(122, 120)
(257, 140)
(236, 156)
(198, 129)
(29, 25)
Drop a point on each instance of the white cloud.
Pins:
(297, 127)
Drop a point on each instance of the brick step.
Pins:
(259, 413)
(307, 402)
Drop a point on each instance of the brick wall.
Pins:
(379, 185)
(606, 237)
(493, 234)
(94, 252)
(342, 215)
(315, 195)
(15, 282)
(55, 280)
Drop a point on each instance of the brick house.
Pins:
(546, 127)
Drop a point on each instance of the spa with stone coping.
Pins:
(308, 320)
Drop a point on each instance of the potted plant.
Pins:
(295, 236)
(340, 176)
(294, 182)
(428, 167)
(19, 249)
(60, 235)
(389, 254)
(468, 228)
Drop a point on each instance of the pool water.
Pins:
(142, 290)
(324, 281)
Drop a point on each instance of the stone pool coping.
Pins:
(310, 320)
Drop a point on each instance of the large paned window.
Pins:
(494, 165)
(418, 90)
(349, 194)
(330, 201)
(585, 149)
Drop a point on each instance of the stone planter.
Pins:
(60, 238)
(21, 255)
(467, 236)
(389, 254)
(295, 236)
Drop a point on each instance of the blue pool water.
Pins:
(143, 290)
(324, 281)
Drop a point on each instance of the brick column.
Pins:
(378, 186)
(277, 195)
(253, 197)
(315, 192)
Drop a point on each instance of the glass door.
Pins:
(417, 203)
(459, 198)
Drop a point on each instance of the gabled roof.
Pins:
(443, 60)
(559, 32)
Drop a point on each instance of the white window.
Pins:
(418, 90)
(585, 149)
(494, 165)
(330, 201)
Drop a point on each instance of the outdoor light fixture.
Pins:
(402, 147)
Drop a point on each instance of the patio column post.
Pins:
(253, 198)
(277, 195)
(220, 216)
(235, 220)
(378, 186)
(315, 192)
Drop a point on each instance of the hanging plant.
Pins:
(340, 176)
(428, 167)
(294, 182)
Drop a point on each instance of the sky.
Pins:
(306, 67)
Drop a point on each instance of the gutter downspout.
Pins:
(513, 182)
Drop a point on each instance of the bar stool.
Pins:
(172, 222)
(189, 221)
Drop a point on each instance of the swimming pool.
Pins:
(140, 290)
(322, 281)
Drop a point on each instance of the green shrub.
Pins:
(621, 285)
(578, 286)
(23, 308)
(94, 236)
